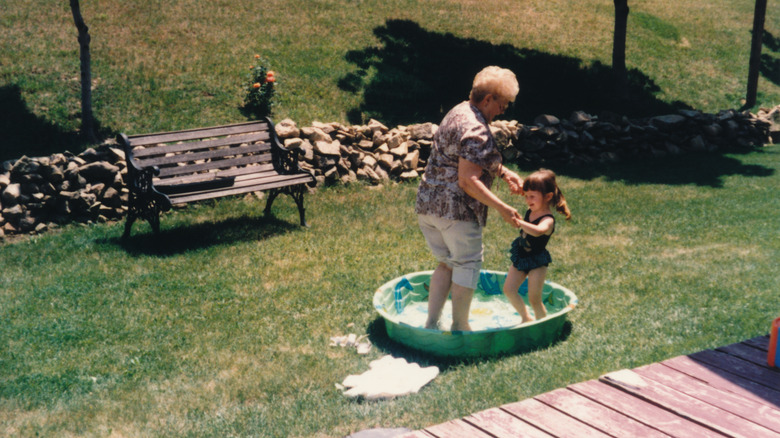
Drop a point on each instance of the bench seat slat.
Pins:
(193, 134)
(213, 154)
(189, 146)
(210, 176)
(240, 187)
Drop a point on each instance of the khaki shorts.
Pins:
(458, 244)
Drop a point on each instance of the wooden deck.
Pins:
(729, 391)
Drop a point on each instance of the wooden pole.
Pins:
(619, 44)
(87, 119)
(755, 53)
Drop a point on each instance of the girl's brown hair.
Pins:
(543, 181)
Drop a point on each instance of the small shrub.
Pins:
(260, 89)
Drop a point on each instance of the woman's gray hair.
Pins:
(499, 82)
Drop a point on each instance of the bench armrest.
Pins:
(140, 179)
(285, 161)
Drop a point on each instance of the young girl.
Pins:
(529, 254)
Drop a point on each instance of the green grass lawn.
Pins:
(220, 326)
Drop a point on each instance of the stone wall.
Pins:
(39, 193)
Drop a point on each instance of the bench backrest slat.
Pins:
(213, 154)
(193, 134)
(220, 164)
(174, 148)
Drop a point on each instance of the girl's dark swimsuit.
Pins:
(530, 252)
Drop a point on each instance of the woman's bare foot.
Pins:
(460, 328)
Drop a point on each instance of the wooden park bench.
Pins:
(174, 168)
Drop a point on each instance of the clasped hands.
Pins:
(512, 216)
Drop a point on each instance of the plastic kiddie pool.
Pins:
(496, 327)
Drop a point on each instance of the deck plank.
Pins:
(685, 406)
(743, 368)
(641, 411)
(746, 352)
(456, 429)
(503, 425)
(551, 420)
(724, 380)
(751, 410)
(599, 416)
(760, 342)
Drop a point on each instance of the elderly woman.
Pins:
(455, 193)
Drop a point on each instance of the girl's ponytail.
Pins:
(560, 203)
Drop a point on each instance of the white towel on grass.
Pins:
(389, 377)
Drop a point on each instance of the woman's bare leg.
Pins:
(441, 282)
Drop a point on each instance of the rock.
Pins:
(386, 160)
(375, 126)
(331, 148)
(14, 213)
(112, 198)
(99, 171)
(697, 143)
(546, 120)
(401, 150)
(293, 143)
(422, 131)
(408, 175)
(315, 134)
(580, 117)
(411, 160)
(12, 193)
(668, 121)
(327, 128)
(394, 141)
(27, 223)
(53, 174)
(369, 161)
(287, 129)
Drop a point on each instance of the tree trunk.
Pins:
(619, 43)
(755, 53)
(87, 119)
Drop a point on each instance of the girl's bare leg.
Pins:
(514, 279)
(535, 285)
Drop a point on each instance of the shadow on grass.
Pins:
(24, 133)
(192, 237)
(699, 169)
(770, 64)
(416, 75)
(377, 333)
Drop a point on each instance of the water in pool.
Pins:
(496, 313)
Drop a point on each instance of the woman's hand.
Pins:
(511, 216)
(513, 180)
